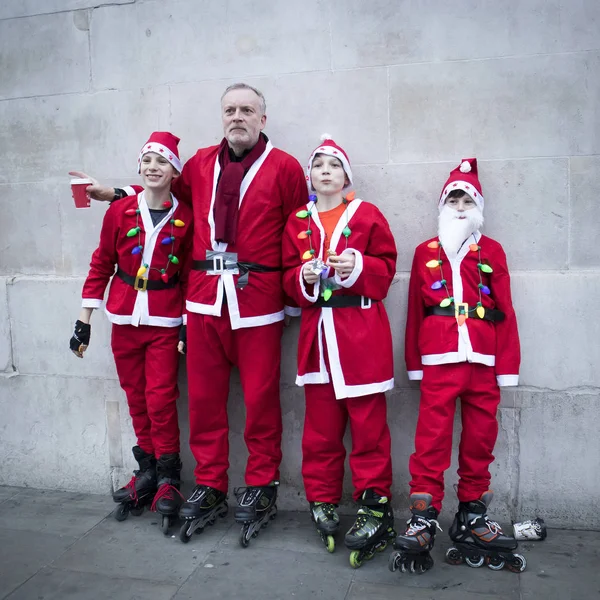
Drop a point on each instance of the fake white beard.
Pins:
(453, 232)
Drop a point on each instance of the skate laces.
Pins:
(416, 524)
(165, 491)
(491, 525)
(131, 486)
(325, 511)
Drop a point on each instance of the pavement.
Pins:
(62, 545)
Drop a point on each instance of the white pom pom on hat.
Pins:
(325, 136)
(465, 166)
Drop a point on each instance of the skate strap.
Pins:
(491, 314)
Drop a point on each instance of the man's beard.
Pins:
(453, 231)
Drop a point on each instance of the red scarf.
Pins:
(227, 198)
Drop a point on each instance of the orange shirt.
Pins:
(329, 219)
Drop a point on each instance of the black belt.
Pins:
(139, 283)
(243, 267)
(344, 302)
(491, 314)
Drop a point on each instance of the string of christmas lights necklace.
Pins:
(307, 234)
(442, 283)
(170, 239)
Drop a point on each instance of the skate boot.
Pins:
(140, 490)
(478, 540)
(256, 508)
(168, 498)
(201, 509)
(413, 547)
(373, 528)
(325, 517)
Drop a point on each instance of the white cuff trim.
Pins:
(358, 267)
(316, 288)
(91, 303)
(129, 190)
(292, 311)
(415, 375)
(507, 380)
(184, 319)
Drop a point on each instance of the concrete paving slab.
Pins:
(59, 584)
(23, 553)
(48, 511)
(137, 548)
(247, 574)
(372, 591)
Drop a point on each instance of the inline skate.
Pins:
(256, 508)
(201, 509)
(372, 530)
(479, 540)
(412, 552)
(168, 499)
(140, 490)
(325, 517)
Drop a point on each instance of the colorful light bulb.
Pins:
(133, 231)
(446, 302)
(327, 294)
(346, 231)
(432, 264)
(136, 250)
(434, 245)
(142, 270)
(302, 214)
(308, 254)
(480, 312)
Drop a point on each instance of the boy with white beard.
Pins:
(461, 341)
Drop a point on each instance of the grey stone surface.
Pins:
(5, 337)
(49, 136)
(344, 104)
(389, 32)
(522, 198)
(585, 217)
(224, 44)
(22, 554)
(42, 343)
(53, 51)
(557, 352)
(38, 414)
(559, 488)
(514, 107)
(10, 9)
(60, 584)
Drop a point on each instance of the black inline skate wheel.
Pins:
(244, 538)
(495, 563)
(184, 534)
(475, 561)
(136, 511)
(454, 556)
(121, 512)
(166, 523)
(394, 561)
(518, 564)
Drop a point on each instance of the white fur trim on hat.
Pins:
(163, 151)
(329, 151)
(465, 187)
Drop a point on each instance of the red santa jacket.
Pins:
(274, 186)
(126, 305)
(357, 340)
(436, 340)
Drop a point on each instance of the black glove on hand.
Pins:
(81, 338)
(183, 338)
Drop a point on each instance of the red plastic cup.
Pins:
(78, 187)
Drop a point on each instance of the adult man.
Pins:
(242, 192)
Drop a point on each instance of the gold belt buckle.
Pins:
(143, 286)
(465, 310)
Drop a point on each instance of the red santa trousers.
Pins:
(480, 396)
(147, 361)
(323, 450)
(212, 348)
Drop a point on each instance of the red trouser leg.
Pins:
(129, 350)
(440, 387)
(323, 450)
(259, 360)
(371, 456)
(162, 362)
(209, 367)
(479, 407)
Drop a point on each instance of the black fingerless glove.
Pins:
(81, 338)
(183, 337)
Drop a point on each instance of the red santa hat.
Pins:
(330, 148)
(165, 144)
(464, 178)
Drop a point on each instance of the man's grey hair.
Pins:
(245, 86)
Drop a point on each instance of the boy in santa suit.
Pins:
(339, 259)
(461, 341)
(148, 237)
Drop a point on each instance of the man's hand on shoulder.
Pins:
(96, 191)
